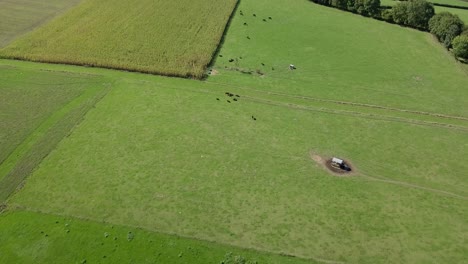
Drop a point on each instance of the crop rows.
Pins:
(176, 38)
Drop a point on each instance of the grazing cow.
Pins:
(269, 18)
(264, 20)
(217, 99)
(235, 99)
(237, 95)
(220, 55)
(245, 24)
(231, 60)
(254, 15)
(248, 37)
(263, 64)
(228, 101)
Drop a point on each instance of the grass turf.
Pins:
(165, 155)
(354, 58)
(463, 14)
(22, 16)
(29, 97)
(39, 109)
(153, 36)
(54, 239)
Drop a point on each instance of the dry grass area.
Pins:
(21, 16)
(176, 38)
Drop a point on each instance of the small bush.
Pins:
(446, 26)
(387, 15)
(460, 47)
(413, 13)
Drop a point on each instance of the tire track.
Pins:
(411, 185)
(358, 114)
(438, 115)
(327, 110)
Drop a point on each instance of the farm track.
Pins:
(411, 185)
(438, 115)
(359, 114)
(374, 116)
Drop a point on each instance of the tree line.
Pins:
(419, 14)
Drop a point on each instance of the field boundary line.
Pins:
(18, 208)
(215, 53)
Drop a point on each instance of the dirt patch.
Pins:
(327, 165)
(214, 72)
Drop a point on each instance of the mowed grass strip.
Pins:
(29, 237)
(21, 16)
(28, 98)
(153, 36)
(34, 121)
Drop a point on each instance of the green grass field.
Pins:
(21, 16)
(157, 152)
(160, 155)
(379, 63)
(54, 239)
(463, 14)
(28, 98)
(39, 108)
(139, 160)
(164, 37)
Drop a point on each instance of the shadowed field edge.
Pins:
(222, 39)
(46, 144)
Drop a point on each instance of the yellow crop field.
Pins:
(176, 38)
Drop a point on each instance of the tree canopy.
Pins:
(413, 13)
(460, 46)
(446, 26)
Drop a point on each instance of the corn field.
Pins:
(175, 38)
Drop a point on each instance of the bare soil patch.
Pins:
(326, 163)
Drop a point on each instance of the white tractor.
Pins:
(340, 164)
